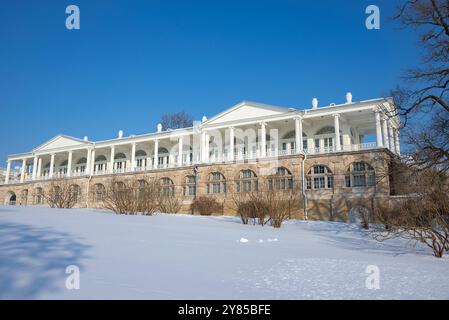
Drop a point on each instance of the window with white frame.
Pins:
(216, 183)
(282, 180)
(189, 188)
(319, 177)
(247, 181)
(360, 174)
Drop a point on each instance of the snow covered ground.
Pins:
(192, 257)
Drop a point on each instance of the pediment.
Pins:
(61, 142)
(246, 110)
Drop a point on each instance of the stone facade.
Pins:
(323, 204)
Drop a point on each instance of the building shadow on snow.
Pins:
(33, 260)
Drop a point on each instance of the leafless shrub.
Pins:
(62, 194)
(422, 218)
(122, 197)
(169, 203)
(206, 206)
(251, 207)
(267, 204)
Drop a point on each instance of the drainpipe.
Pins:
(89, 179)
(304, 184)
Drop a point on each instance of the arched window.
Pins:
(319, 177)
(62, 168)
(247, 181)
(360, 174)
(38, 195)
(46, 170)
(75, 193)
(290, 140)
(119, 186)
(120, 162)
(101, 158)
(101, 164)
(282, 180)
(80, 166)
(325, 137)
(325, 130)
(189, 188)
(141, 159)
(168, 187)
(120, 156)
(24, 197)
(216, 183)
(11, 198)
(55, 195)
(82, 161)
(163, 157)
(141, 184)
(100, 192)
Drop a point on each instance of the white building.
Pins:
(246, 131)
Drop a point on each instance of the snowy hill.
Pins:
(192, 257)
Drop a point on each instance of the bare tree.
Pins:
(419, 212)
(62, 194)
(426, 92)
(176, 120)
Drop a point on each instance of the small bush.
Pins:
(206, 206)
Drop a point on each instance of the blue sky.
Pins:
(131, 61)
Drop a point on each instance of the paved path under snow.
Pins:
(191, 257)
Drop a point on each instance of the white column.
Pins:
(69, 164)
(206, 147)
(203, 146)
(133, 157)
(378, 130)
(92, 162)
(180, 142)
(88, 162)
(39, 168)
(111, 160)
(35, 161)
(391, 136)
(298, 135)
(22, 173)
(156, 153)
(263, 139)
(337, 131)
(231, 143)
(385, 132)
(52, 164)
(8, 172)
(398, 148)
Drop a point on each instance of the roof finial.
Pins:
(349, 97)
(314, 103)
